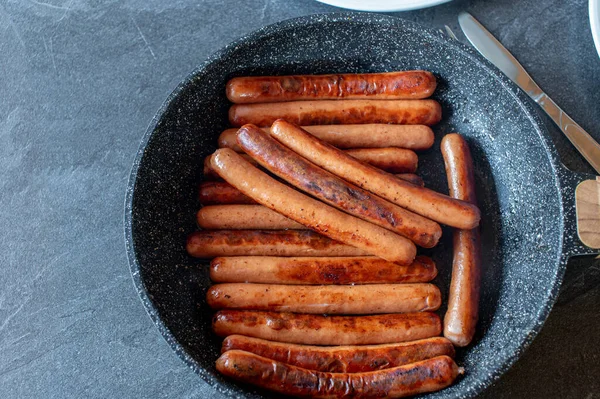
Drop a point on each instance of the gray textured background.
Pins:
(80, 81)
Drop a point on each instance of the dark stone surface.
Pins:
(80, 80)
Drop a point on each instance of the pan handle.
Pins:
(581, 210)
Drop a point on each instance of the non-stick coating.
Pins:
(516, 175)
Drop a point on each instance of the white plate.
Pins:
(595, 22)
(383, 5)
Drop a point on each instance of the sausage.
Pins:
(407, 85)
(329, 188)
(214, 178)
(208, 244)
(433, 205)
(390, 159)
(245, 217)
(215, 192)
(326, 299)
(309, 212)
(329, 270)
(341, 112)
(425, 376)
(342, 359)
(312, 329)
(222, 193)
(412, 137)
(463, 300)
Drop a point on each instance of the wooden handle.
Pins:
(587, 204)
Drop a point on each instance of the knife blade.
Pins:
(497, 54)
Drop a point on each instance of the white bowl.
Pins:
(595, 22)
(383, 5)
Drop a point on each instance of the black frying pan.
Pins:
(525, 194)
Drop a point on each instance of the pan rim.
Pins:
(209, 376)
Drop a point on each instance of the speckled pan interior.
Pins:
(520, 184)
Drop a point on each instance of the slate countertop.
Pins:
(80, 80)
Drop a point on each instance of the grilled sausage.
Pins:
(215, 193)
(312, 329)
(463, 301)
(332, 112)
(208, 244)
(425, 376)
(243, 217)
(326, 299)
(342, 359)
(390, 159)
(329, 270)
(331, 189)
(433, 205)
(412, 137)
(407, 85)
(309, 212)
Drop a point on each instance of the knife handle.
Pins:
(583, 142)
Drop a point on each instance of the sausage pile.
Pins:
(314, 230)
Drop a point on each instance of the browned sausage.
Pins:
(312, 329)
(309, 212)
(243, 217)
(326, 299)
(401, 85)
(222, 193)
(208, 244)
(343, 112)
(390, 159)
(425, 376)
(342, 359)
(433, 205)
(413, 137)
(210, 173)
(216, 192)
(329, 270)
(463, 300)
(321, 184)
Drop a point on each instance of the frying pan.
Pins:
(525, 194)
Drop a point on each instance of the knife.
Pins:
(498, 55)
